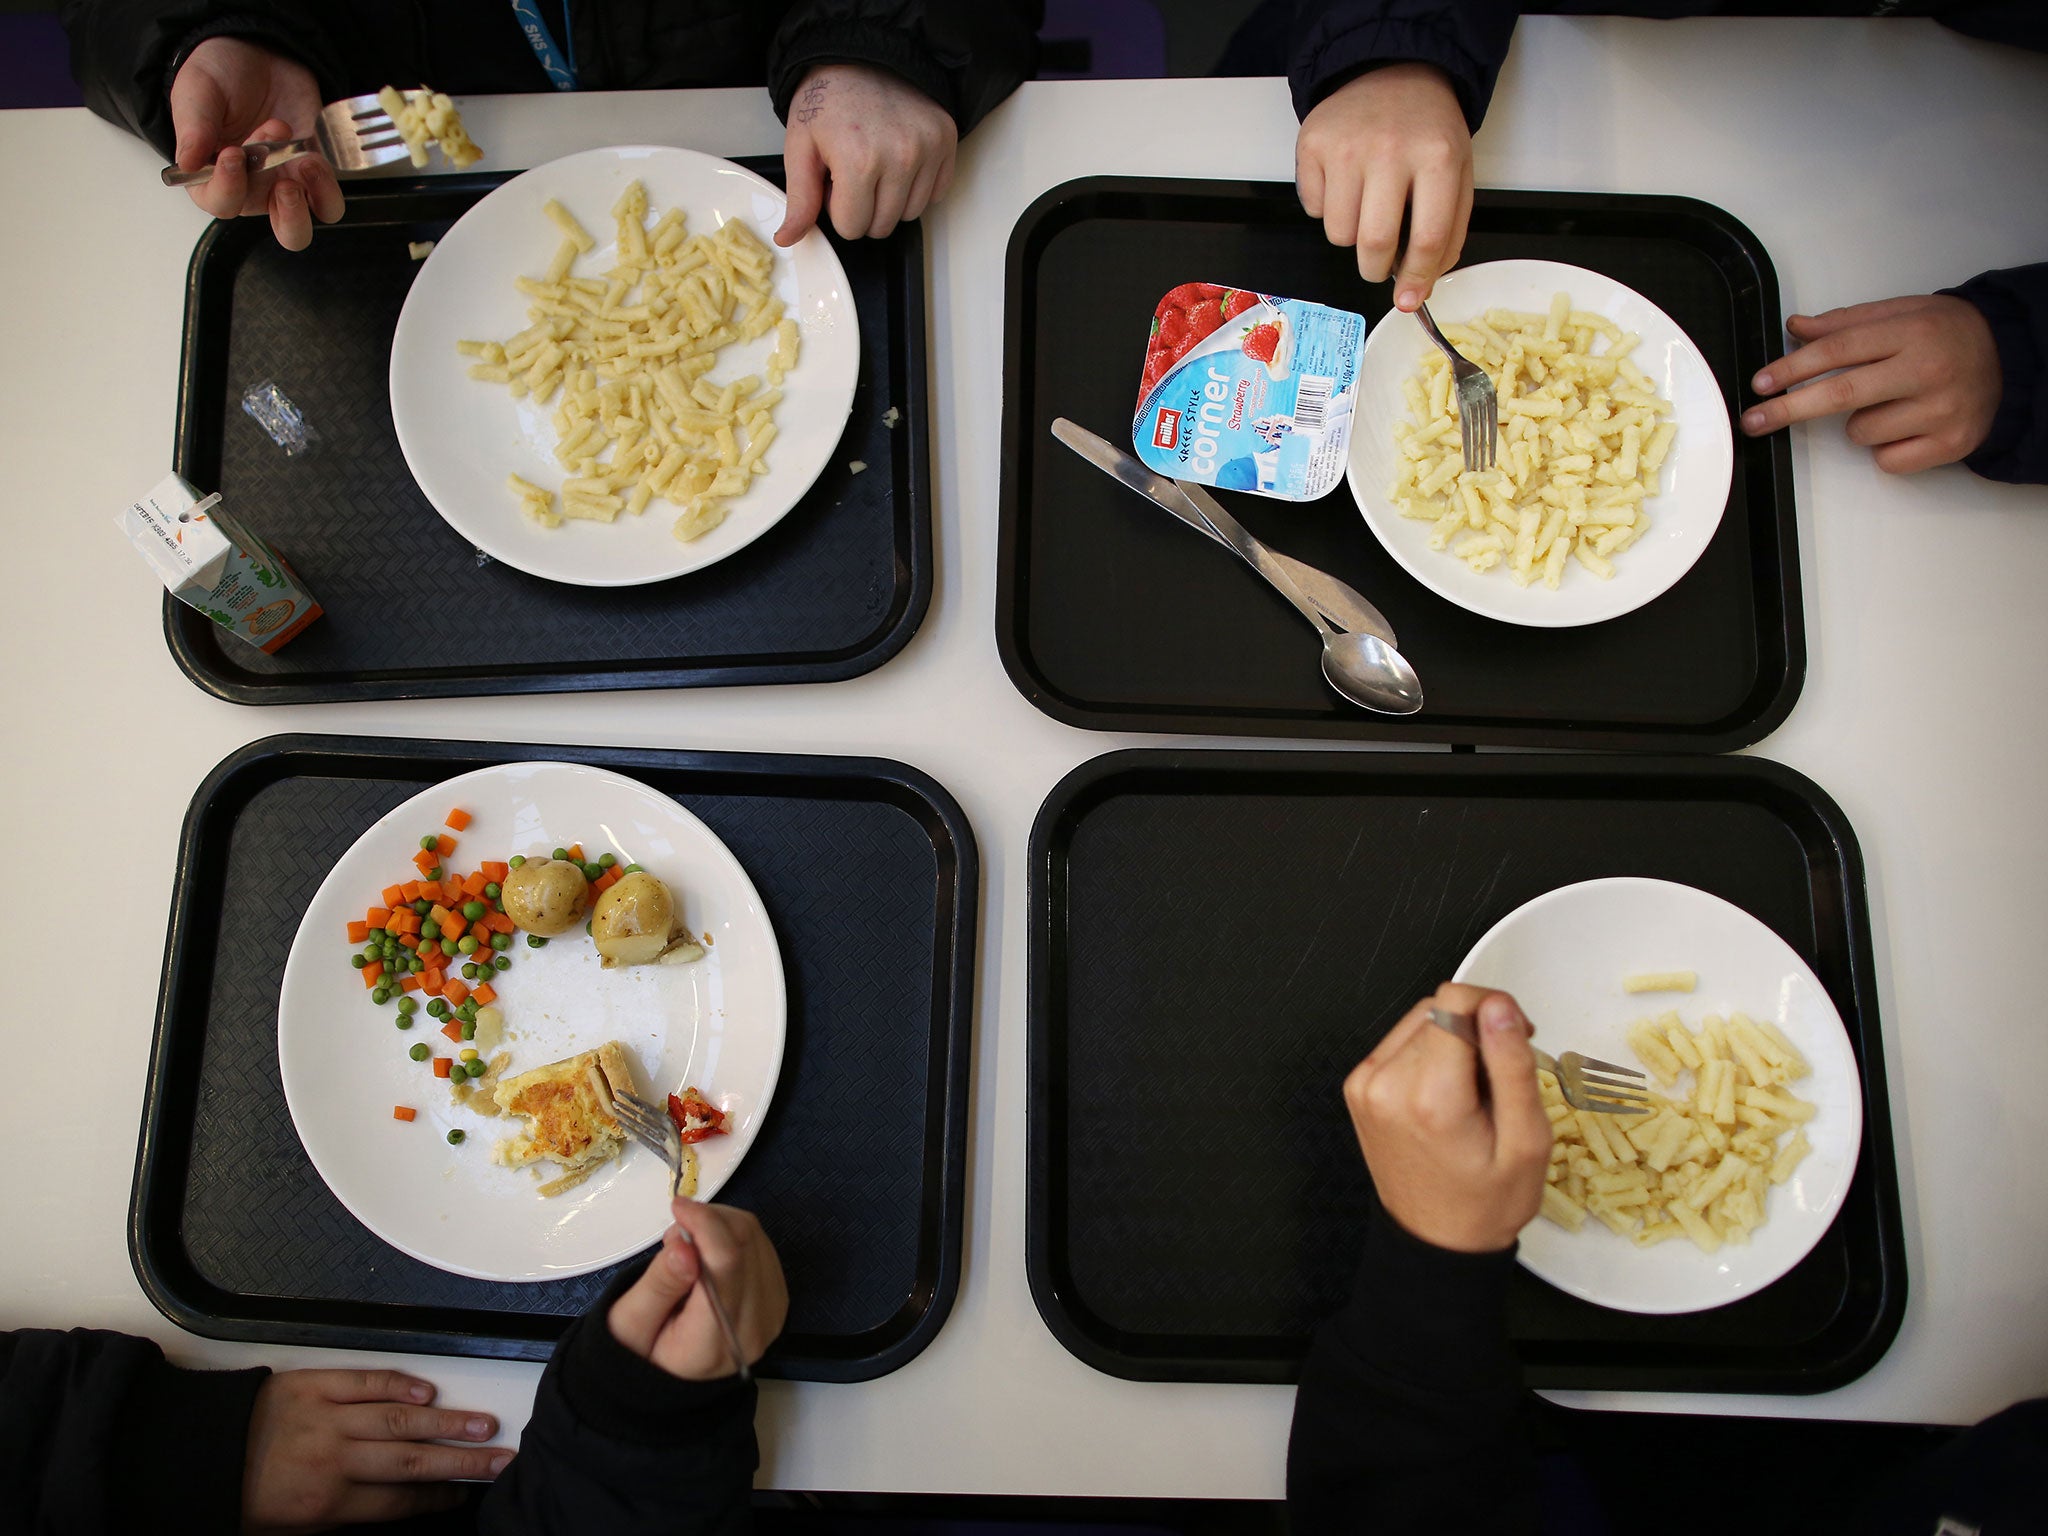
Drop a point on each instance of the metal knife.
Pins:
(1332, 598)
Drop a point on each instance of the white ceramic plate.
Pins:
(1563, 956)
(717, 1024)
(461, 437)
(1695, 476)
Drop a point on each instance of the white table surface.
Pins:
(1872, 159)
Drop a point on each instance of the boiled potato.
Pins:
(546, 896)
(633, 920)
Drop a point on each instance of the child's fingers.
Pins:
(1840, 349)
(805, 171)
(1913, 455)
(1813, 327)
(853, 199)
(224, 195)
(291, 220)
(892, 196)
(637, 1318)
(344, 1386)
(1379, 222)
(1308, 182)
(403, 1421)
(1846, 391)
(419, 1461)
(1893, 421)
(1343, 189)
(1431, 231)
(323, 191)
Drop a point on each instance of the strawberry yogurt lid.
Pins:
(1248, 391)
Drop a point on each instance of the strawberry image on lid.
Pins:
(1248, 391)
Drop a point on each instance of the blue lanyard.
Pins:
(561, 70)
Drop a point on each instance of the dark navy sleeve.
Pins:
(2014, 303)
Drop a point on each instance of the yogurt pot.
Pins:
(1247, 391)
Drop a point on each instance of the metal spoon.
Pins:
(1363, 668)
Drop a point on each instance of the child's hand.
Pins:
(1457, 1167)
(666, 1317)
(887, 147)
(345, 1447)
(1392, 138)
(1919, 377)
(229, 92)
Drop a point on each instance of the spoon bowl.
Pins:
(1371, 673)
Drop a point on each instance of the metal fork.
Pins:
(355, 135)
(1585, 1081)
(1478, 408)
(655, 1131)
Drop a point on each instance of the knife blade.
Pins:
(1331, 597)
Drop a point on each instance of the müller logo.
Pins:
(1166, 429)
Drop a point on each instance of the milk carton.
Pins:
(1248, 391)
(211, 563)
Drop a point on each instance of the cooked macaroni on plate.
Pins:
(629, 353)
(1581, 444)
(1702, 1163)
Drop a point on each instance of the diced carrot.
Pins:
(495, 871)
(473, 887)
(400, 1112)
(438, 913)
(358, 931)
(430, 983)
(484, 995)
(452, 1029)
(431, 889)
(443, 845)
(411, 984)
(408, 941)
(456, 990)
(498, 922)
(393, 895)
(406, 922)
(607, 880)
(458, 819)
(442, 1064)
(371, 972)
(576, 853)
(454, 926)
(410, 890)
(378, 917)
(424, 861)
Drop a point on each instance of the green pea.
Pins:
(469, 1029)
(560, 853)
(479, 1068)
(407, 1005)
(469, 970)
(434, 873)
(519, 861)
(403, 1021)
(359, 961)
(634, 869)
(492, 890)
(474, 910)
(501, 941)
(586, 926)
(467, 1013)
(467, 944)
(421, 1051)
(429, 843)
(448, 948)
(607, 860)
(423, 906)
(455, 1138)
(535, 941)
(430, 929)
(381, 996)
(438, 1008)
(592, 870)
(416, 965)
(503, 962)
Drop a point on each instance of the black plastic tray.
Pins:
(833, 590)
(1112, 615)
(868, 871)
(1217, 938)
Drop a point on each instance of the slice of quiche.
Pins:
(567, 1108)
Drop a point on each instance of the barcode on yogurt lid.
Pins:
(1311, 399)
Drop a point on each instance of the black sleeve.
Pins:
(618, 1445)
(967, 55)
(1335, 41)
(124, 52)
(2015, 305)
(98, 1433)
(1409, 1414)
